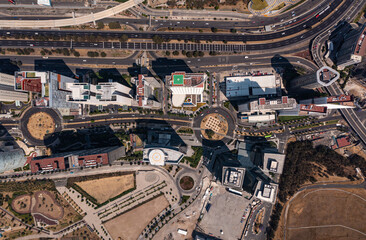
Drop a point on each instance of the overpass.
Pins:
(70, 21)
(348, 114)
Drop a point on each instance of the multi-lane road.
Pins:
(303, 31)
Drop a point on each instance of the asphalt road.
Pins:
(255, 23)
(231, 126)
(313, 19)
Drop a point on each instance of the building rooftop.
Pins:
(266, 192)
(340, 98)
(159, 156)
(183, 79)
(313, 108)
(343, 141)
(250, 85)
(233, 177)
(29, 81)
(273, 162)
(326, 76)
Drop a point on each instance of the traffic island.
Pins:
(186, 183)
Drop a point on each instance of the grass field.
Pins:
(129, 225)
(259, 4)
(290, 118)
(107, 188)
(314, 208)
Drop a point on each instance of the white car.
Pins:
(246, 57)
(45, 57)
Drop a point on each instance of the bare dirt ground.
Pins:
(107, 188)
(128, 226)
(22, 204)
(82, 233)
(40, 124)
(355, 89)
(345, 207)
(216, 123)
(46, 204)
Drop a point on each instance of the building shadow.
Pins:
(9, 66)
(289, 72)
(53, 65)
(165, 66)
(87, 137)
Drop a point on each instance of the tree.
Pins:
(189, 54)
(123, 38)
(167, 53)
(100, 25)
(157, 39)
(76, 54)
(213, 29)
(233, 30)
(114, 25)
(175, 53)
(201, 54)
(103, 54)
(209, 133)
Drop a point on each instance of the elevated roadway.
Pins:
(69, 21)
(272, 41)
(349, 114)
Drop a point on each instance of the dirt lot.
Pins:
(82, 233)
(22, 204)
(40, 124)
(327, 207)
(107, 188)
(135, 221)
(47, 205)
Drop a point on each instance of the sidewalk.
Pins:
(271, 4)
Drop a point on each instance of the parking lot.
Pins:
(224, 216)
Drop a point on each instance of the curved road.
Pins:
(69, 21)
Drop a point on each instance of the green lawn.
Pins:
(259, 4)
(290, 118)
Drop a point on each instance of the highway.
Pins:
(309, 21)
(70, 21)
(248, 23)
(307, 33)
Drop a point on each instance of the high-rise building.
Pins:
(187, 88)
(324, 77)
(101, 94)
(145, 91)
(353, 48)
(7, 92)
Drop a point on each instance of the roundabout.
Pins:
(214, 127)
(40, 125)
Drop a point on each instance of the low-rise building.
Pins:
(159, 156)
(75, 159)
(263, 105)
(251, 86)
(11, 158)
(187, 88)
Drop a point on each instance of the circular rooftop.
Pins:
(157, 157)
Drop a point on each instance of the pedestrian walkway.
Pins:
(271, 4)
